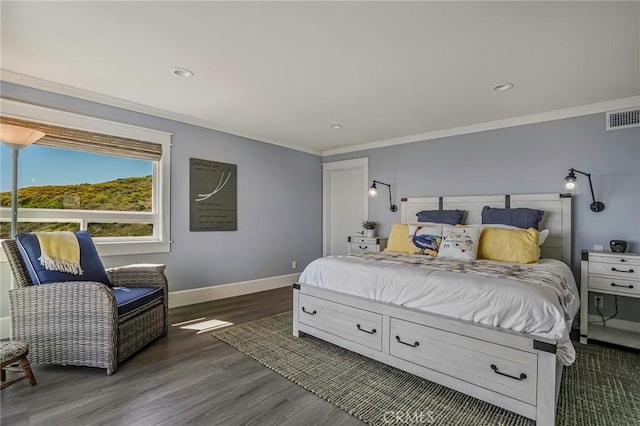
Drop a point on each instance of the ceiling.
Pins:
(283, 73)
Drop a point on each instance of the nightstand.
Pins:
(360, 244)
(609, 273)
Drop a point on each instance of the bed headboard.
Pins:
(556, 207)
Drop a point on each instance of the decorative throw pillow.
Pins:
(451, 217)
(509, 245)
(460, 242)
(398, 240)
(544, 234)
(521, 217)
(425, 239)
(92, 267)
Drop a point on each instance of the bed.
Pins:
(392, 307)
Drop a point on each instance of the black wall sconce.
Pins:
(570, 183)
(373, 193)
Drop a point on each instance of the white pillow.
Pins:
(544, 234)
(460, 242)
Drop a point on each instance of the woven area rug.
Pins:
(601, 388)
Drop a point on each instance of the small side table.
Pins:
(617, 274)
(15, 351)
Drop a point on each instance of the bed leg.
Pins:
(296, 291)
(546, 393)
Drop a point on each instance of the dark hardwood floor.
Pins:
(184, 378)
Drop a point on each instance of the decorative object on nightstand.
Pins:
(571, 184)
(360, 244)
(369, 227)
(608, 273)
(618, 246)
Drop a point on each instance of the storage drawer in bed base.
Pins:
(501, 369)
(360, 326)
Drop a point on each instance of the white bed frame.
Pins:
(515, 371)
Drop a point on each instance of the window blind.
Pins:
(82, 140)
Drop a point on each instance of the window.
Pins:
(115, 185)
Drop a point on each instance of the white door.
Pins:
(345, 202)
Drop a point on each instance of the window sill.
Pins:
(110, 248)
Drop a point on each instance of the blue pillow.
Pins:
(89, 261)
(451, 217)
(520, 217)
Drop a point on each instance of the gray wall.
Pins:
(525, 159)
(279, 202)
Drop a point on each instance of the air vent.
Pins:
(623, 119)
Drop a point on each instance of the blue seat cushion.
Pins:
(92, 267)
(129, 299)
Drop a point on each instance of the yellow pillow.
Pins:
(399, 238)
(509, 245)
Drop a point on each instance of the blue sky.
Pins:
(40, 165)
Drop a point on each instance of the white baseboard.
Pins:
(222, 291)
(617, 323)
(5, 327)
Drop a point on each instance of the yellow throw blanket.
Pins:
(60, 251)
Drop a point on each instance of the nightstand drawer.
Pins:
(620, 259)
(364, 240)
(614, 285)
(362, 244)
(623, 271)
(363, 247)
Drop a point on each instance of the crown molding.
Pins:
(630, 102)
(86, 95)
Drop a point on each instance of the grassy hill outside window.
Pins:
(124, 214)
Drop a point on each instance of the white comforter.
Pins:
(519, 302)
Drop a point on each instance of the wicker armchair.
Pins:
(77, 323)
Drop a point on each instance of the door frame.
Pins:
(327, 168)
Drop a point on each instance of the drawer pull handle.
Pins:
(630, 271)
(618, 285)
(495, 369)
(362, 248)
(373, 331)
(307, 312)
(415, 345)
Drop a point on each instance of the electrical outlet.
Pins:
(598, 247)
(294, 264)
(599, 301)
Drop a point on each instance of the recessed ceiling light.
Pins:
(336, 126)
(182, 72)
(503, 87)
